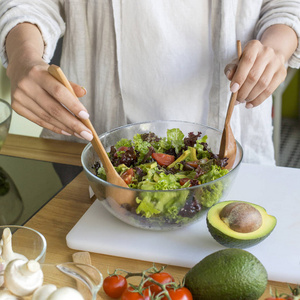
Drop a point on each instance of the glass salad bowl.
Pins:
(151, 204)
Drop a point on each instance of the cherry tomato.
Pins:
(114, 285)
(131, 294)
(162, 278)
(163, 159)
(127, 176)
(179, 294)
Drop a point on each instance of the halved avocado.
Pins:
(230, 238)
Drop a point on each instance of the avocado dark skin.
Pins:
(228, 274)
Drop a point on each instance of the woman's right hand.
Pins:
(39, 97)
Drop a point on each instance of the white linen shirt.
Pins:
(98, 45)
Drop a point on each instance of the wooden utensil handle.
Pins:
(59, 75)
(233, 95)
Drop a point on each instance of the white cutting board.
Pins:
(277, 189)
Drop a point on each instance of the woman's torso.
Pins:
(145, 60)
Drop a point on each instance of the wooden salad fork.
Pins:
(119, 195)
(228, 143)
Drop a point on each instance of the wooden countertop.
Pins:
(59, 216)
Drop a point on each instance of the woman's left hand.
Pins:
(257, 74)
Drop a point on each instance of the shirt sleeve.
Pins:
(281, 12)
(45, 14)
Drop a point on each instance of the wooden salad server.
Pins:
(228, 143)
(112, 176)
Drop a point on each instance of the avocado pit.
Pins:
(241, 217)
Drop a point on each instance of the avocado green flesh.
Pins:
(188, 155)
(232, 239)
(228, 274)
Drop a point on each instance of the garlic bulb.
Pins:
(6, 295)
(43, 292)
(65, 293)
(22, 278)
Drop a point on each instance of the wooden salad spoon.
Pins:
(228, 143)
(112, 176)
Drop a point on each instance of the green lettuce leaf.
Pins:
(123, 143)
(141, 146)
(175, 137)
(209, 196)
(165, 203)
(101, 173)
(201, 153)
(215, 173)
(154, 203)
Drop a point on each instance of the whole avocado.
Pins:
(229, 274)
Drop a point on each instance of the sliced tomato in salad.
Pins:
(163, 159)
(128, 175)
(193, 164)
(183, 181)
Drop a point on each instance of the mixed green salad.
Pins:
(175, 162)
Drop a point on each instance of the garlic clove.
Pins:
(43, 292)
(7, 251)
(22, 278)
(65, 293)
(6, 295)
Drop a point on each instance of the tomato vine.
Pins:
(155, 284)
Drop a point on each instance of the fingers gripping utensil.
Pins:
(228, 143)
(119, 195)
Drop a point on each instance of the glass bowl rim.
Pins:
(43, 252)
(106, 183)
(9, 107)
